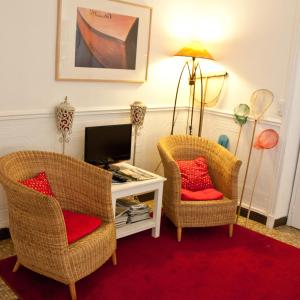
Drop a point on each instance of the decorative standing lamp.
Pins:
(194, 50)
(259, 103)
(137, 115)
(64, 120)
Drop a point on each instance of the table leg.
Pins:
(157, 211)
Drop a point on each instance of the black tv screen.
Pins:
(107, 144)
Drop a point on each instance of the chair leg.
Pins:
(17, 266)
(72, 289)
(114, 258)
(179, 233)
(230, 230)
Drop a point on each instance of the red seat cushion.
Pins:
(79, 225)
(39, 183)
(207, 194)
(194, 174)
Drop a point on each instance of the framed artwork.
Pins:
(102, 40)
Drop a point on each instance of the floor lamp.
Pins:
(137, 115)
(64, 120)
(193, 50)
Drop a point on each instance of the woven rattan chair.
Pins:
(36, 221)
(223, 169)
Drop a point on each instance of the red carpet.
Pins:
(205, 265)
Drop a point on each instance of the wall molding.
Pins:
(79, 111)
(228, 114)
(87, 111)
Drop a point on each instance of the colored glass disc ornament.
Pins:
(223, 141)
(241, 113)
(260, 101)
(267, 139)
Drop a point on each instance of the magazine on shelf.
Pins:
(136, 173)
(121, 216)
(121, 220)
(135, 210)
(130, 203)
(137, 218)
(120, 211)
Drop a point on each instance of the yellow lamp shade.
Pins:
(194, 49)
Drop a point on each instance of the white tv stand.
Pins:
(155, 185)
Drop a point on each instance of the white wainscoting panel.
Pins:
(216, 124)
(37, 131)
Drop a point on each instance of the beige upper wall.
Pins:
(252, 39)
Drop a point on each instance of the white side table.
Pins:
(136, 188)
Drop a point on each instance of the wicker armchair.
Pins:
(223, 169)
(37, 225)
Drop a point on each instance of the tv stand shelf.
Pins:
(125, 189)
(135, 227)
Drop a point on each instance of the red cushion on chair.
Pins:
(207, 194)
(194, 174)
(79, 225)
(39, 183)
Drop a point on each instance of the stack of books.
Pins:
(137, 211)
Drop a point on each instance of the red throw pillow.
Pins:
(194, 174)
(78, 225)
(204, 195)
(39, 183)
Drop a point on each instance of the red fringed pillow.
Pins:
(39, 183)
(204, 195)
(78, 225)
(194, 174)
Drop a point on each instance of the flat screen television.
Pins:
(108, 144)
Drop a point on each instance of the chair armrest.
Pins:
(224, 169)
(36, 221)
(172, 186)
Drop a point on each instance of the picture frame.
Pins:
(102, 40)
